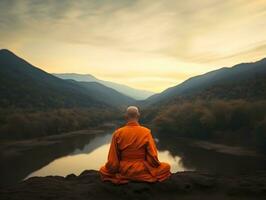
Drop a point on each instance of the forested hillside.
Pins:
(225, 106)
(34, 103)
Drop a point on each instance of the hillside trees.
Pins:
(24, 124)
(229, 121)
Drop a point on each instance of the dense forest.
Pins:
(235, 122)
(24, 124)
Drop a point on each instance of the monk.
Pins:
(133, 154)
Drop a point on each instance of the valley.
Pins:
(213, 123)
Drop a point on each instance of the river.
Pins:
(76, 152)
(92, 156)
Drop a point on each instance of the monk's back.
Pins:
(132, 137)
(133, 155)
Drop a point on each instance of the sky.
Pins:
(146, 44)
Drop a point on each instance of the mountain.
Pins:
(246, 80)
(131, 92)
(105, 94)
(24, 85)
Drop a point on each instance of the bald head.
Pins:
(132, 113)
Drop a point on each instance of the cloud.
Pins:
(179, 29)
(155, 37)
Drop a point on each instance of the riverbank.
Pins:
(19, 158)
(181, 185)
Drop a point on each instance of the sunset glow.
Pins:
(146, 44)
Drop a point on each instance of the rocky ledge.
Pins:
(181, 185)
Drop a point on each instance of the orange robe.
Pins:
(133, 156)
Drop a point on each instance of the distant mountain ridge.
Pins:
(221, 83)
(129, 91)
(24, 85)
(105, 94)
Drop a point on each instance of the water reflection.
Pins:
(207, 159)
(20, 159)
(92, 156)
(66, 154)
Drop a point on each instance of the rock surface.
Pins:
(181, 185)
